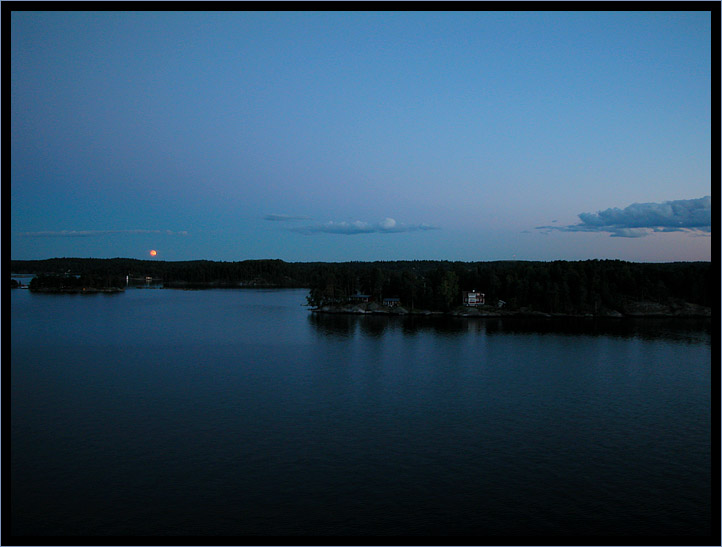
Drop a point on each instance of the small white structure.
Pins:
(472, 298)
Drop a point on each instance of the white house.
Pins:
(472, 298)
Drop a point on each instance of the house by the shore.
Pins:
(472, 298)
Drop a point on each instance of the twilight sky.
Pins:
(361, 136)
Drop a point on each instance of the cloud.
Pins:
(386, 226)
(94, 233)
(284, 218)
(629, 232)
(641, 219)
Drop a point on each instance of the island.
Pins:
(593, 288)
(75, 284)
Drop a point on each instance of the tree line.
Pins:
(553, 287)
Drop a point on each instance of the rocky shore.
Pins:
(629, 309)
(77, 290)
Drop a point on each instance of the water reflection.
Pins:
(342, 325)
(692, 329)
(346, 325)
(680, 329)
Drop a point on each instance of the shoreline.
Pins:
(630, 310)
(73, 290)
(690, 311)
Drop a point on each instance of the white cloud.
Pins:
(387, 225)
(284, 218)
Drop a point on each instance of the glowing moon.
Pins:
(153, 252)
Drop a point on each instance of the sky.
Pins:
(337, 136)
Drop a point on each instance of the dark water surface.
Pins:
(238, 412)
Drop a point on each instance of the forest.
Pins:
(566, 287)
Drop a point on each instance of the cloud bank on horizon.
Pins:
(642, 219)
(284, 218)
(93, 233)
(385, 226)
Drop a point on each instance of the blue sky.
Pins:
(361, 136)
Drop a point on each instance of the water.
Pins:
(238, 412)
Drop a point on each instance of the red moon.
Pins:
(153, 252)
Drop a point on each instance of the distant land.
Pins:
(608, 288)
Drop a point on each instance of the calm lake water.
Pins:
(238, 412)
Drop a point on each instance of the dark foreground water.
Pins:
(238, 412)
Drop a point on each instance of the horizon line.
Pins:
(359, 261)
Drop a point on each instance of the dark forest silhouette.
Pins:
(567, 287)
